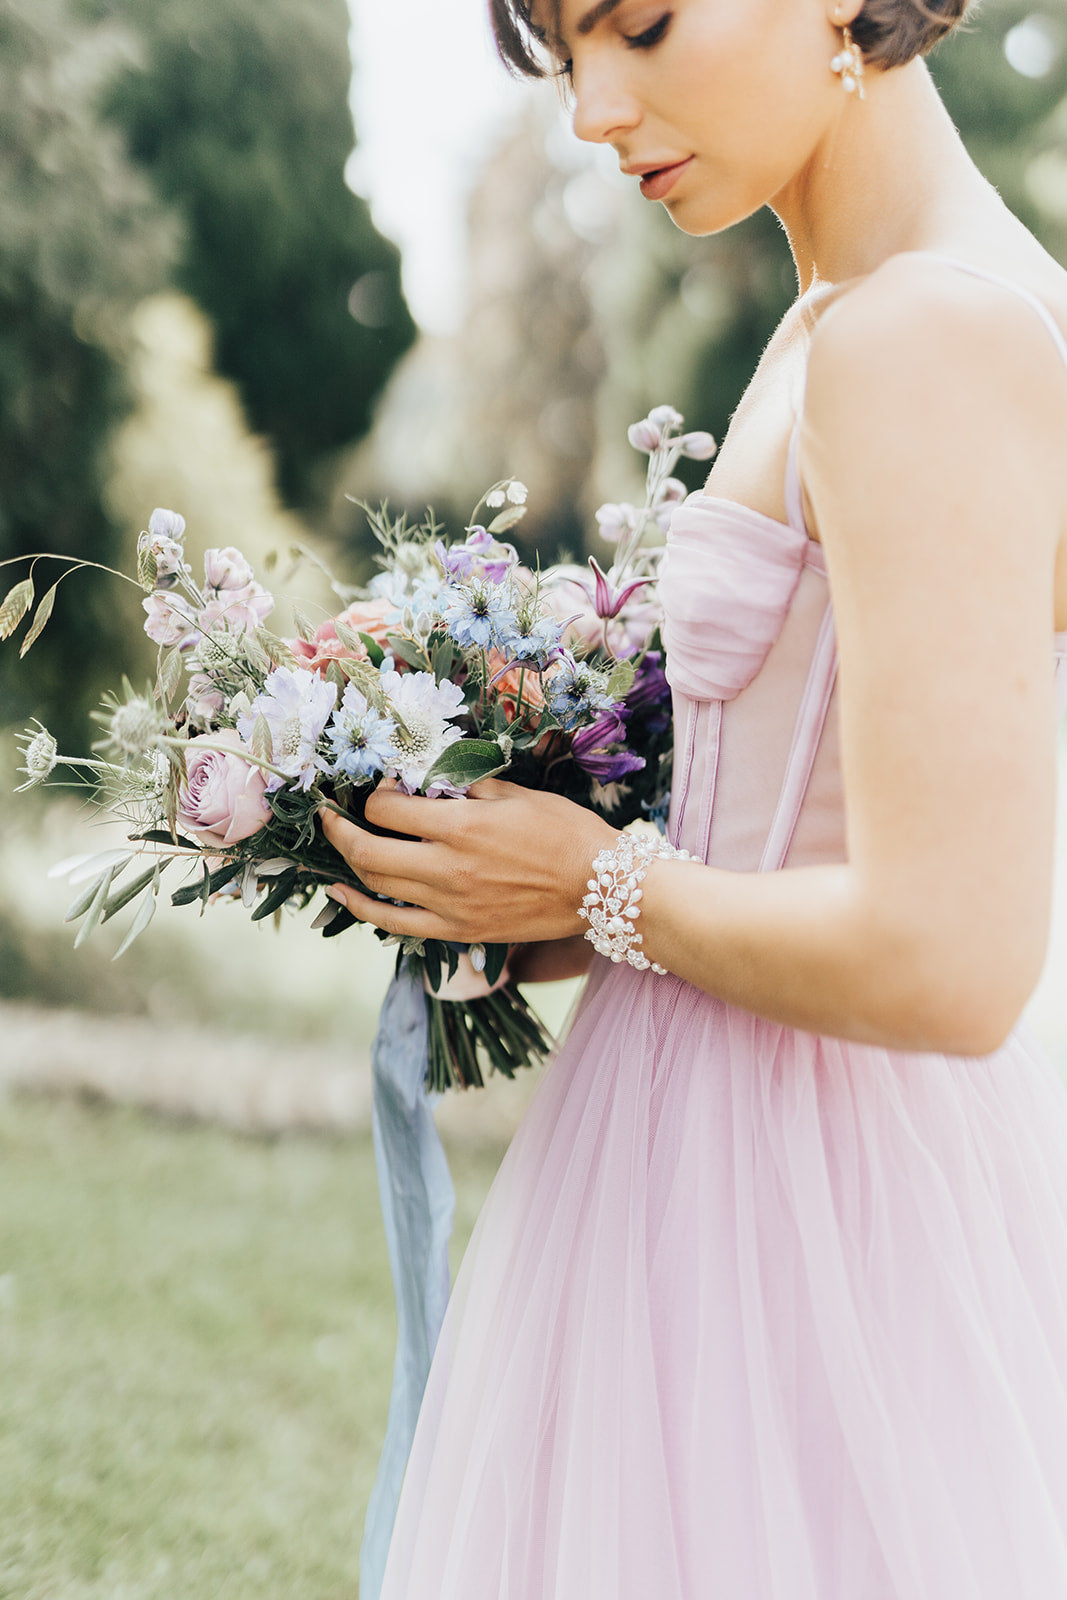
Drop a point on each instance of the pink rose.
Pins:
(223, 797)
(506, 688)
(317, 654)
(368, 616)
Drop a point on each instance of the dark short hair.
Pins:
(890, 33)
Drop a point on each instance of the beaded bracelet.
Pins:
(612, 905)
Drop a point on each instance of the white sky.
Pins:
(429, 98)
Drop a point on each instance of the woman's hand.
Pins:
(503, 866)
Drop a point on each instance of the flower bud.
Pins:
(644, 435)
(672, 492)
(697, 446)
(614, 521)
(665, 417)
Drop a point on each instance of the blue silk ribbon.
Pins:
(417, 1206)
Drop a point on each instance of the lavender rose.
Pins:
(223, 797)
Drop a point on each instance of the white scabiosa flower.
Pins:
(296, 706)
(423, 710)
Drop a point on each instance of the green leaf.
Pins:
(95, 909)
(80, 906)
(205, 886)
(465, 762)
(431, 966)
(621, 681)
(408, 652)
(443, 658)
(495, 956)
(277, 897)
(506, 519)
(130, 891)
(145, 912)
(262, 739)
(44, 611)
(161, 836)
(14, 607)
(374, 650)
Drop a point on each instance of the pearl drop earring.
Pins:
(848, 64)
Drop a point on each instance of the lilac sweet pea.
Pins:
(227, 569)
(479, 556)
(169, 621)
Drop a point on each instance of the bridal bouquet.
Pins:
(454, 664)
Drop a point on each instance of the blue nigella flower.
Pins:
(362, 738)
(478, 614)
(574, 691)
(534, 641)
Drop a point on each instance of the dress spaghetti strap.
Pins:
(1013, 288)
(794, 498)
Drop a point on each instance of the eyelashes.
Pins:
(651, 36)
(638, 41)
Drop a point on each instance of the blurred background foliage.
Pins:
(197, 311)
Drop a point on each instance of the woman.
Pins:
(769, 1299)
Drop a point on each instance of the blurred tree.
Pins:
(81, 241)
(238, 110)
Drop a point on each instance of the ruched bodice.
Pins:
(751, 660)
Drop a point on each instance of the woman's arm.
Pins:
(933, 427)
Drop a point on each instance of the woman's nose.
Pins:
(603, 106)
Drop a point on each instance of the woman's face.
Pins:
(719, 105)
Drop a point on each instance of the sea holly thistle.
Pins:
(134, 726)
(39, 756)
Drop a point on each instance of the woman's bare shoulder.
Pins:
(919, 343)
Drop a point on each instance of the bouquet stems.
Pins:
(470, 1039)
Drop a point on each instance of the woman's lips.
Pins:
(657, 185)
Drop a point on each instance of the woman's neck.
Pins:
(891, 174)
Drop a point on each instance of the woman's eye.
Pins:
(651, 36)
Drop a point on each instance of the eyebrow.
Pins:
(602, 9)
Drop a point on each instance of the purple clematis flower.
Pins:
(600, 750)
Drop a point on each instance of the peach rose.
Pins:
(368, 616)
(506, 688)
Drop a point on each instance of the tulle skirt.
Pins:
(752, 1314)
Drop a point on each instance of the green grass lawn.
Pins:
(196, 1339)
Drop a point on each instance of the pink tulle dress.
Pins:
(750, 1313)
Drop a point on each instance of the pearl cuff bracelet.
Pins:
(612, 905)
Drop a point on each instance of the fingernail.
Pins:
(335, 894)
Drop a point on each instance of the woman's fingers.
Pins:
(411, 813)
(369, 856)
(410, 921)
